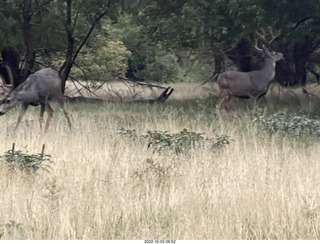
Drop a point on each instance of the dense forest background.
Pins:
(158, 40)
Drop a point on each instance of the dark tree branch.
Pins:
(148, 85)
(40, 6)
(301, 21)
(71, 56)
(88, 34)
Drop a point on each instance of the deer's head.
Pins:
(274, 56)
(9, 100)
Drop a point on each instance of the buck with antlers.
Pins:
(38, 89)
(246, 85)
(253, 84)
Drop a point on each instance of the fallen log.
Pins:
(161, 99)
(84, 100)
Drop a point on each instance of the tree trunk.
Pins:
(72, 54)
(292, 71)
(68, 63)
(9, 68)
(219, 65)
(245, 56)
(301, 52)
(30, 53)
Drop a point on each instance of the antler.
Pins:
(256, 44)
(271, 35)
(266, 36)
(6, 85)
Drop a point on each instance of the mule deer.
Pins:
(253, 84)
(38, 89)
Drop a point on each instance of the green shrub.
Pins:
(298, 126)
(127, 133)
(24, 162)
(221, 141)
(108, 62)
(175, 142)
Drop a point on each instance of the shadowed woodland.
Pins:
(157, 41)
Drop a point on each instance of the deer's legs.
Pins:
(42, 109)
(227, 100)
(50, 114)
(61, 102)
(23, 111)
(219, 103)
(223, 98)
(256, 102)
(68, 118)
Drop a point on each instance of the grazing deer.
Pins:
(38, 89)
(246, 85)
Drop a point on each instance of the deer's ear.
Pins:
(5, 90)
(266, 50)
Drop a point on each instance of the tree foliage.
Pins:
(158, 40)
(231, 27)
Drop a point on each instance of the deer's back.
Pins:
(231, 79)
(45, 82)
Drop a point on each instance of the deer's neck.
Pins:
(269, 69)
(261, 79)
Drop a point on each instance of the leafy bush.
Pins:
(14, 230)
(298, 126)
(221, 140)
(108, 62)
(24, 162)
(127, 133)
(175, 142)
(162, 67)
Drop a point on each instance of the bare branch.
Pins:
(301, 21)
(149, 85)
(88, 34)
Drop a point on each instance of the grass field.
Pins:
(108, 185)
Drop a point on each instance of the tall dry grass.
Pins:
(106, 186)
